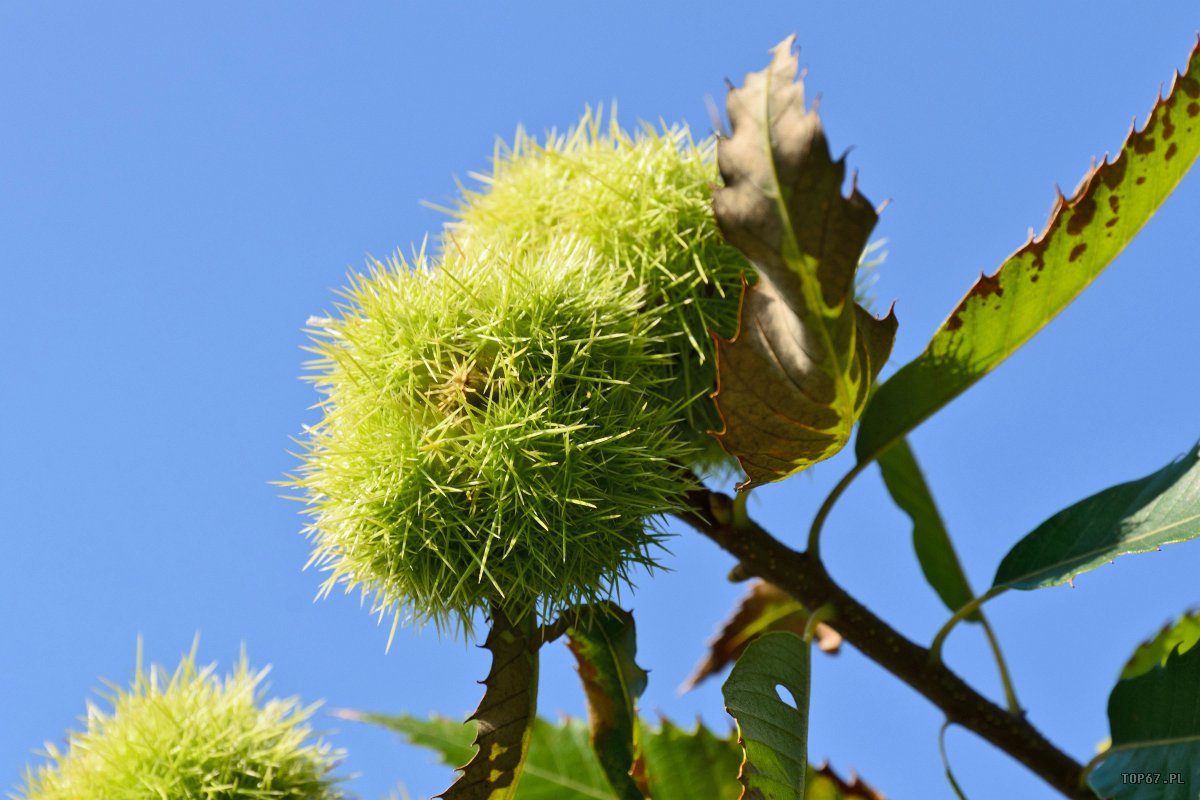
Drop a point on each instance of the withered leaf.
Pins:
(796, 377)
(764, 608)
(824, 779)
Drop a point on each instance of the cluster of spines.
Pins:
(643, 202)
(195, 736)
(495, 431)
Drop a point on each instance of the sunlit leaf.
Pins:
(772, 732)
(1181, 634)
(560, 764)
(795, 378)
(1134, 517)
(605, 648)
(452, 739)
(935, 552)
(682, 765)
(764, 608)
(1155, 723)
(1084, 234)
(688, 765)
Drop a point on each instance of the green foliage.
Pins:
(795, 379)
(906, 484)
(678, 764)
(1181, 635)
(560, 764)
(1004, 310)
(605, 647)
(642, 201)
(491, 435)
(773, 734)
(194, 737)
(682, 765)
(1155, 723)
(1134, 517)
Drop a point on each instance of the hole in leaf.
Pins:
(785, 695)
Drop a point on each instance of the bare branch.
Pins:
(804, 577)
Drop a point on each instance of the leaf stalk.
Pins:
(802, 576)
(935, 648)
(814, 532)
(1010, 694)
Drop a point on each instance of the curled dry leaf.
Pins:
(764, 608)
(834, 787)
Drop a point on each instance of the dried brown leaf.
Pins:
(796, 377)
(764, 608)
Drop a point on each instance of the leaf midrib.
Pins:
(1088, 555)
(1143, 744)
(844, 399)
(560, 780)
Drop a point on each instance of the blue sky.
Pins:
(185, 184)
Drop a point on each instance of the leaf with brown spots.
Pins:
(1084, 234)
(605, 648)
(505, 715)
(795, 378)
(765, 608)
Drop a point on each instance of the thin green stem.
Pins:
(740, 516)
(814, 533)
(1010, 694)
(946, 761)
(935, 649)
(804, 578)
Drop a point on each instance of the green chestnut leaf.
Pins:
(1084, 234)
(605, 647)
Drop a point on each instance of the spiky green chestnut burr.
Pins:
(643, 202)
(494, 433)
(193, 736)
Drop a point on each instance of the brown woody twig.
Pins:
(805, 578)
